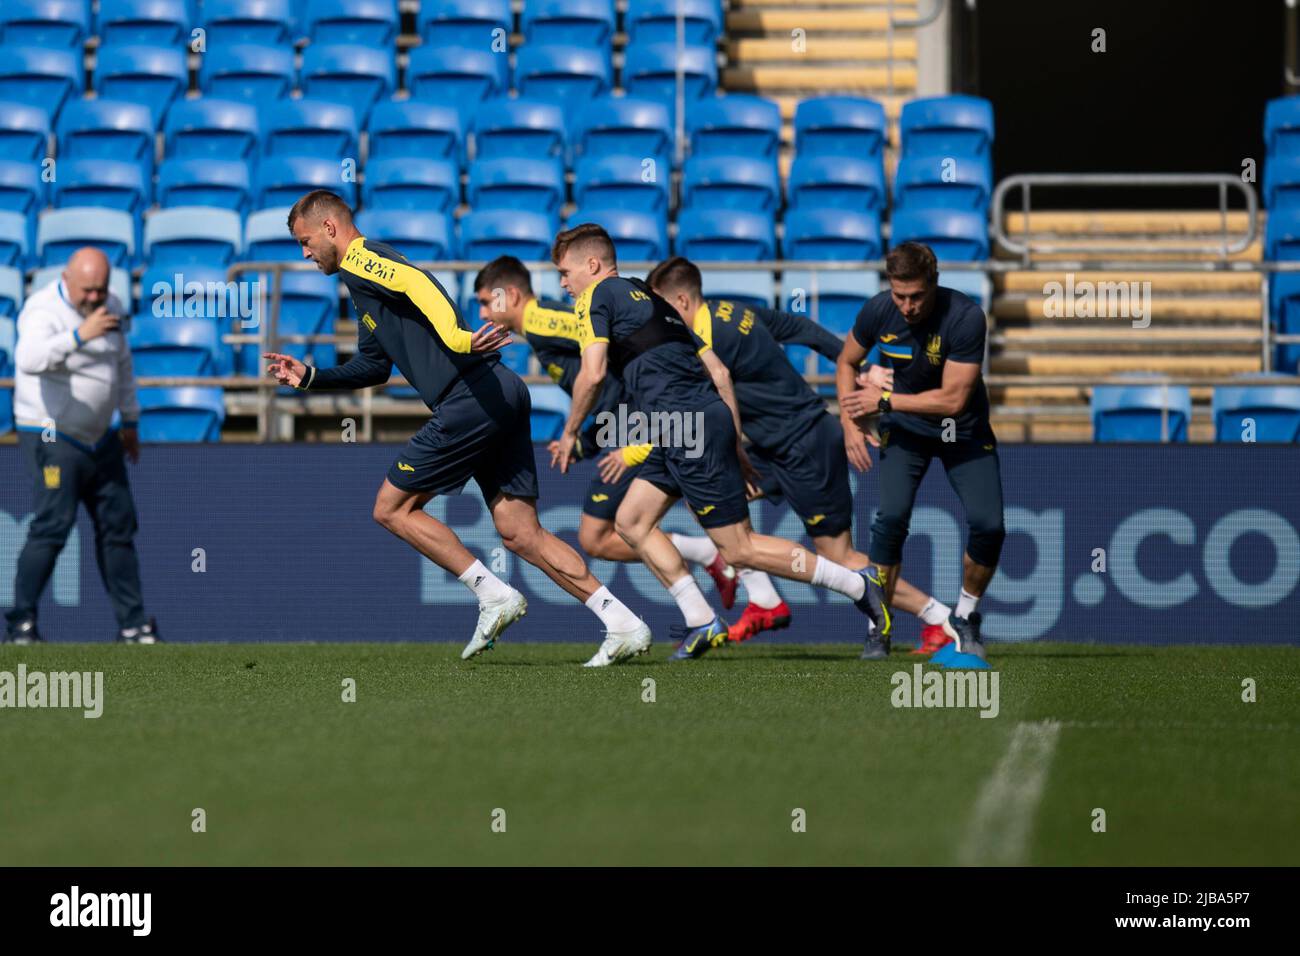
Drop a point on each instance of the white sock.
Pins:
(758, 586)
(695, 609)
(697, 550)
(613, 613)
(828, 574)
(934, 612)
(966, 603)
(487, 587)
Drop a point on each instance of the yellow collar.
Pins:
(702, 315)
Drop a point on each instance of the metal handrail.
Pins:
(919, 21)
(1025, 181)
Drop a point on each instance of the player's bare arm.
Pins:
(285, 369)
(846, 388)
(959, 379)
(586, 389)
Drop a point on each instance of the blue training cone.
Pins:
(945, 653)
(965, 662)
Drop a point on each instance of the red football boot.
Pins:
(725, 577)
(933, 637)
(757, 619)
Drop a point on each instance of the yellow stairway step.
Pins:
(817, 79)
(1161, 282)
(814, 48)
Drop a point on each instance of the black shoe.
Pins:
(146, 633)
(873, 603)
(965, 633)
(24, 632)
(877, 648)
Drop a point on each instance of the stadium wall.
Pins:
(1201, 545)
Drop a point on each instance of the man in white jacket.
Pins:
(73, 373)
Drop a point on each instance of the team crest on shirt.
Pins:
(369, 322)
(555, 372)
(52, 476)
(932, 349)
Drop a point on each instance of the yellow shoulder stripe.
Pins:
(418, 287)
(556, 323)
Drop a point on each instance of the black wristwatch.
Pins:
(884, 404)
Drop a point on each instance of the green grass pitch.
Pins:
(712, 772)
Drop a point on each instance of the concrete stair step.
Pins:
(1209, 366)
(812, 80)
(1208, 308)
(819, 49)
(1162, 283)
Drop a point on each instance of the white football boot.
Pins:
(493, 618)
(621, 646)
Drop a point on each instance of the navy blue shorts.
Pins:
(603, 498)
(481, 430)
(812, 474)
(708, 475)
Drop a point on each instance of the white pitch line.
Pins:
(998, 833)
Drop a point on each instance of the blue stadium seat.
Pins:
(1282, 181)
(283, 180)
(975, 285)
(217, 183)
(515, 356)
(203, 292)
(49, 24)
(16, 233)
(586, 23)
(1282, 127)
(550, 411)
(108, 183)
(536, 185)
(956, 125)
(650, 70)
(836, 182)
(370, 23)
(24, 132)
(212, 128)
(471, 23)
(174, 346)
(955, 234)
(562, 74)
(152, 75)
(192, 235)
(11, 291)
(831, 298)
(1284, 308)
(1274, 410)
(463, 76)
(420, 236)
(1282, 234)
(247, 72)
(1141, 413)
(39, 77)
(231, 22)
(8, 336)
(21, 188)
(748, 287)
(267, 238)
(725, 234)
(655, 21)
(731, 182)
(309, 305)
(349, 73)
(310, 127)
(157, 22)
(406, 182)
(840, 235)
(637, 235)
(486, 234)
(418, 129)
(622, 182)
(626, 125)
(61, 232)
(119, 282)
(735, 125)
(943, 182)
(519, 127)
(111, 129)
(840, 126)
(181, 414)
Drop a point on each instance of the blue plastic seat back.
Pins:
(523, 127)
(956, 125)
(486, 234)
(371, 23)
(651, 70)
(840, 126)
(193, 414)
(411, 183)
(1284, 308)
(735, 125)
(219, 183)
(625, 125)
(418, 129)
(309, 305)
(637, 235)
(562, 74)
(1282, 182)
(11, 292)
(746, 287)
(655, 21)
(153, 75)
(725, 235)
(267, 238)
(621, 181)
(349, 73)
(535, 185)
(836, 182)
(732, 182)
(248, 72)
(174, 346)
(1282, 126)
(17, 235)
(41, 77)
(45, 24)
(283, 180)
(212, 128)
(310, 127)
(473, 23)
(154, 22)
(24, 132)
(192, 235)
(109, 129)
(1262, 413)
(586, 23)
(108, 183)
(1141, 413)
(953, 234)
(421, 236)
(459, 76)
(248, 21)
(837, 235)
(549, 412)
(21, 188)
(943, 182)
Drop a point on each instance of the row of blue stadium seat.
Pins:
(1153, 413)
(66, 24)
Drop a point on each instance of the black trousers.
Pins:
(65, 477)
